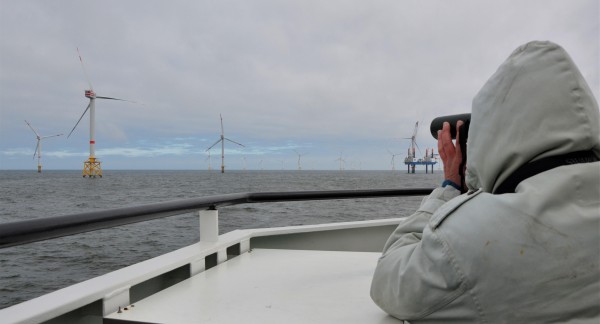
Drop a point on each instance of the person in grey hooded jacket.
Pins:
(527, 256)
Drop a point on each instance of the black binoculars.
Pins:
(438, 123)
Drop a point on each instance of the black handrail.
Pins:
(33, 230)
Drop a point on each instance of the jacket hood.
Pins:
(536, 105)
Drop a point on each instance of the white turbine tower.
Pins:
(208, 159)
(222, 140)
(393, 160)
(91, 167)
(299, 156)
(38, 148)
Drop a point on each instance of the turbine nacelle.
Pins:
(90, 94)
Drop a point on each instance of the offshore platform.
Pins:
(411, 161)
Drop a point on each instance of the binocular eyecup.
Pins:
(438, 123)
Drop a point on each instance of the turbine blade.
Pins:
(217, 142)
(36, 149)
(28, 124)
(416, 130)
(84, 71)
(418, 148)
(51, 136)
(222, 131)
(111, 98)
(235, 142)
(86, 109)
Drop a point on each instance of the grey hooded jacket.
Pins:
(532, 256)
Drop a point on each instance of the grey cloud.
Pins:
(333, 72)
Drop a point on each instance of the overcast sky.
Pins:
(324, 78)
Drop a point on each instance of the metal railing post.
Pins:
(209, 225)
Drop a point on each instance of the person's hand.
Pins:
(451, 154)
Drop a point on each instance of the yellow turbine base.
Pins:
(92, 168)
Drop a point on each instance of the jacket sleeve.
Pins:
(414, 276)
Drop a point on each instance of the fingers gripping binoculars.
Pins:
(437, 125)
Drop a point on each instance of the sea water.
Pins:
(35, 269)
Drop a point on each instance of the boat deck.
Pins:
(268, 286)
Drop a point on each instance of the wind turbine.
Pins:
(393, 160)
(38, 148)
(341, 161)
(222, 140)
(299, 156)
(413, 143)
(91, 167)
(208, 159)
